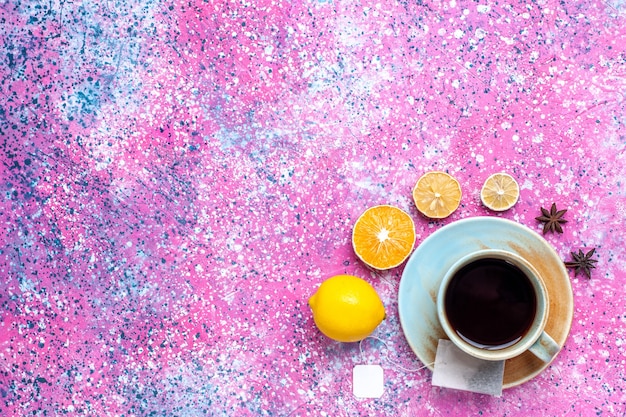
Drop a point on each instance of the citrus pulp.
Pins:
(383, 236)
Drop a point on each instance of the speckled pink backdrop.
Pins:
(178, 177)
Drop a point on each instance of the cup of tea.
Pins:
(493, 305)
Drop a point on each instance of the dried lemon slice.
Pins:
(500, 192)
(383, 236)
(437, 194)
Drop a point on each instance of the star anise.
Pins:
(552, 219)
(582, 262)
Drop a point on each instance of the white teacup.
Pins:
(493, 305)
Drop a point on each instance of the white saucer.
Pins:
(432, 258)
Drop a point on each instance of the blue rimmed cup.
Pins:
(479, 301)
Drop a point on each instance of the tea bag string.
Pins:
(386, 357)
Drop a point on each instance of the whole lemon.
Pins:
(346, 308)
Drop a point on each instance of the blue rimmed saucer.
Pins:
(436, 254)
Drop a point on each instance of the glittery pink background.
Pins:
(178, 177)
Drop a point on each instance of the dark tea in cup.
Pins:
(490, 303)
(493, 305)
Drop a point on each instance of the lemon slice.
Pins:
(500, 192)
(383, 236)
(437, 194)
(346, 308)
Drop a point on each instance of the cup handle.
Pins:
(545, 348)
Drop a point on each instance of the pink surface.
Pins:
(179, 177)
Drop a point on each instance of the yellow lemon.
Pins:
(346, 308)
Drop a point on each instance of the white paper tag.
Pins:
(456, 369)
(368, 381)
